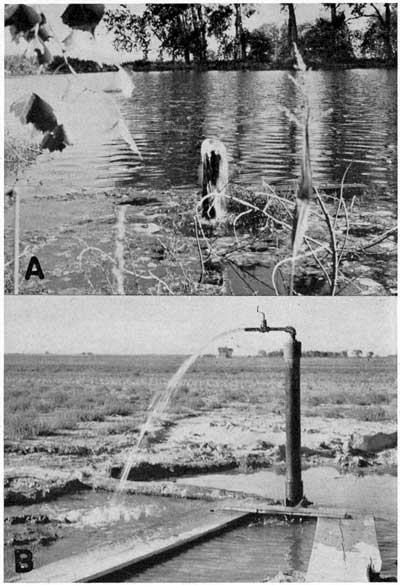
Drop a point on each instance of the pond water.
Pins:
(248, 553)
(325, 486)
(354, 118)
(83, 521)
(251, 552)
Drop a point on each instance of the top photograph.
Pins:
(200, 149)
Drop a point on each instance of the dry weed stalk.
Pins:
(298, 210)
(316, 249)
(118, 268)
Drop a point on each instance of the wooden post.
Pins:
(294, 484)
(214, 164)
(16, 241)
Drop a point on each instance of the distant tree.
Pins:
(370, 354)
(262, 353)
(182, 30)
(292, 25)
(357, 353)
(130, 30)
(225, 352)
(333, 9)
(345, 353)
(179, 28)
(380, 38)
(292, 36)
(327, 42)
(260, 45)
(241, 34)
(219, 20)
(198, 35)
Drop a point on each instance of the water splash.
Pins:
(158, 405)
(106, 514)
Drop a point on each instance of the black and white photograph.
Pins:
(200, 292)
(147, 443)
(201, 149)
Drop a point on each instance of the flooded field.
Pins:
(324, 486)
(170, 113)
(70, 524)
(70, 201)
(251, 552)
(86, 413)
(80, 522)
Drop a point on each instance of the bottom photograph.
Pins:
(200, 439)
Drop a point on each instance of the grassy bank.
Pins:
(45, 395)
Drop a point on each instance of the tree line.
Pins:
(227, 352)
(183, 32)
(313, 353)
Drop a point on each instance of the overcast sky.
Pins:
(181, 325)
(267, 12)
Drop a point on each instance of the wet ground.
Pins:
(325, 486)
(163, 250)
(82, 521)
(253, 552)
(69, 217)
(217, 423)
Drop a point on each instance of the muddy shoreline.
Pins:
(42, 469)
(64, 456)
(166, 252)
(34, 519)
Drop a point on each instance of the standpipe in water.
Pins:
(292, 355)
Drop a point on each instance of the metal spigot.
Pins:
(264, 328)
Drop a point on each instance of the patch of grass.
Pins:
(26, 426)
(121, 427)
(187, 400)
(48, 394)
(20, 65)
(19, 153)
(112, 408)
(362, 413)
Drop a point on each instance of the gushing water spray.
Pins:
(292, 354)
(158, 406)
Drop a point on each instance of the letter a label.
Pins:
(34, 269)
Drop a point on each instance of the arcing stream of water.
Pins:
(159, 404)
(115, 509)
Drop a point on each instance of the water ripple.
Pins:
(170, 113)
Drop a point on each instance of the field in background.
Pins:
(47, 394)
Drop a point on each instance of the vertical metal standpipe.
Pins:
(294, 484)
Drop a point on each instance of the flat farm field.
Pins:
(85, 411)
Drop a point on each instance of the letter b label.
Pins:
(23, 560)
